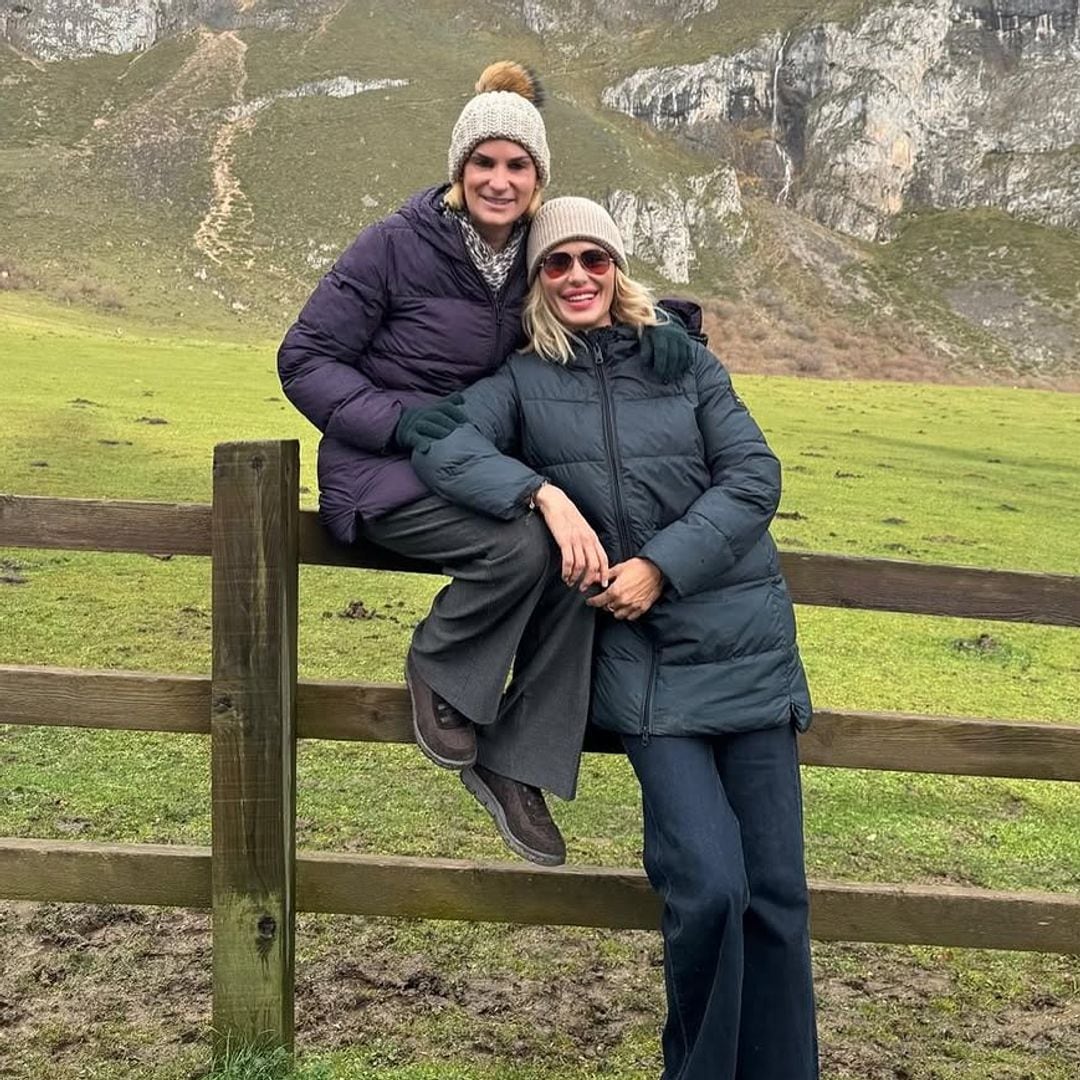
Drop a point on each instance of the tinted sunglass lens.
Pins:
(558, 263)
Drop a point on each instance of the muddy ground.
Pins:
(115, 989)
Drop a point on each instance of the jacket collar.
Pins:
(614, 343)
(429, 217)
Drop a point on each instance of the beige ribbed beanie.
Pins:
(572, 218)
(505, 107)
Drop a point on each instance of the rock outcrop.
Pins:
(587, 16)
(69, 29)
(941, 103)
(665, 228)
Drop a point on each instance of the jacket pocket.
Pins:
(781, 611)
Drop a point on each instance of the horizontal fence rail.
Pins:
(826, 580)
(254, 708)
(366, 712)
(345, 884)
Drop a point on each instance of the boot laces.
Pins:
(446, 714)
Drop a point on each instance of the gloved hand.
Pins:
(668, 350)
(418, 427)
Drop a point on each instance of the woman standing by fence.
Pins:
(696, 665)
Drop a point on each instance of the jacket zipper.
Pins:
(610, 446)
(495, 299)
(497, 308)
(646, 708)
(612, 453)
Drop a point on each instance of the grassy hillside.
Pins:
(977, 476)
(127, 186)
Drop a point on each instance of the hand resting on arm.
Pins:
(584, 561)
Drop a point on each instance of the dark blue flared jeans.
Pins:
(724, 849)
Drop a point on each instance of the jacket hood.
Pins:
(424, 212)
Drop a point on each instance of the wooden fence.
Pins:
(254, 708)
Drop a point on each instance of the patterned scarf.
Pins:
(494, 266)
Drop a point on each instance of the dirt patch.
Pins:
(11, 573)
(355, 609)
(948, 538)
(981, 643)
(358, 611)
(84, 984)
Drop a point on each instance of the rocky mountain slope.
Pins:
(941, 103)
(70, 29)
(891, 189)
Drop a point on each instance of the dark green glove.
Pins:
(422, 425)
(668, 350)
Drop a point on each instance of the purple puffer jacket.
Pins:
(401, 319)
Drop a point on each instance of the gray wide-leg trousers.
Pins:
(505, 607)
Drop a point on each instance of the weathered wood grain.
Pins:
(516, 892)
(932, 589)
(379, 712)
(84, 872)
(109, 700)
(253, 737)
(942, 744)
(817, 579)
(154, 528)
(944, 915)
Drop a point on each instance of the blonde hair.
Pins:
(455, 199)
(632, 304)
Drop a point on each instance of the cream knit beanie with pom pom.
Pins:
(506, 106)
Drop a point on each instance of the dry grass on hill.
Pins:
(768, 336)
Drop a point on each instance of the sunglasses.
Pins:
(558, 263)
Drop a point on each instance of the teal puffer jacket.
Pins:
(679, 474)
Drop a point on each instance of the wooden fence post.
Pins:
(254, 541)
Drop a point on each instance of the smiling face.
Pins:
(580, 299)
(499, 181)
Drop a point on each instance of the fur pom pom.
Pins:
(514, 77)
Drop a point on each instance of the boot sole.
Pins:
(486, 798)
(453, 764)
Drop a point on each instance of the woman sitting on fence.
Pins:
(421, 305)
(696, 665)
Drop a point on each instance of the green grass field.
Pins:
(98, 408)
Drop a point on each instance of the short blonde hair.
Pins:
(631, 305)
(455, 199)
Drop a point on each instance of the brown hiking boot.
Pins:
(441, 732)
(520, 814)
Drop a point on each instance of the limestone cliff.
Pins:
(583, 17)
(942, 103)
(665, 227)
(68, 29)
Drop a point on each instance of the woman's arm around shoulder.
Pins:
(726, 520)
(474, 465)
(318, 358)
